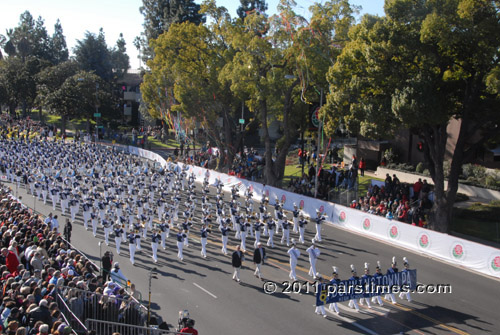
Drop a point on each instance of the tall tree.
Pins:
(58, 49)
(159, 15)
(92, 54)
(247, 6)
(119, 58)
(278, 66)
(29, 38)
(17, 77)
(54, 94)
(422, 65)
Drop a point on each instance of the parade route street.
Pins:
(220, 305)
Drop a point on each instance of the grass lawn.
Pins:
(51, 119)
(478, 220)
(364, 183)
(486, 230)
(292, 171)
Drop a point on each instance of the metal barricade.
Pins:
(70, 318)
(107, 328)
(342, 196)
(90, 305)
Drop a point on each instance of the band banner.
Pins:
(366, 287)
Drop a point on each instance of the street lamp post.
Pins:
(152, 274)
(320, 124)
(100, 255)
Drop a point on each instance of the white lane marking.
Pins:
(351, 321)
(204, 290)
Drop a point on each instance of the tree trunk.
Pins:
(63, 126)
(434, 149)
(40, 114)
(25, 108)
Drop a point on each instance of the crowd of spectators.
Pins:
(38, 271)
(394, 200)
(247, 164)
(328, 180)
(398, 201)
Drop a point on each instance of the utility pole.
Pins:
(320, 124)
(152, 274)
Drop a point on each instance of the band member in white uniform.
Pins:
(131, 246)
(155, 238)
(204, 231)
(302, 227)
(407, 267)
(353, 302)
(294, 258)
(378, 273)
(180, 243)
(314, 253)
(335, 280)
(224, 231)
(270, 230)
(118, 237)
(367, 277)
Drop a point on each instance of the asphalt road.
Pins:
(220, 305)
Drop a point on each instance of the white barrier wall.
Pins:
(454, 250)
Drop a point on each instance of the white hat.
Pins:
(313, 241)
(116, 265)
(293, 241)
(405, 261)
(294, 204)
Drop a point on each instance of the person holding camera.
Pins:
(189, 328)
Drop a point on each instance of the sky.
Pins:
(120, 16)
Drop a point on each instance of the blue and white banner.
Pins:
(367, 287)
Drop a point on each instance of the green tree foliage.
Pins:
(59, 50)
(29, 49)
(67, 91)
(29, 38)
(92, 54)
(247, 6)
(422, 65)
(159, 15)
(119, 58)
(184, 74)
(17, 79)
(279, 67)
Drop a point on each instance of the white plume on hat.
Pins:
(293, 241)
(334, 269)
(378, 264)
(353, 269)
(405, 260)
(313, 241)
(294, 204)
(367, 265)
(394, 260)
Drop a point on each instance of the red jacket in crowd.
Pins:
(11, 261)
